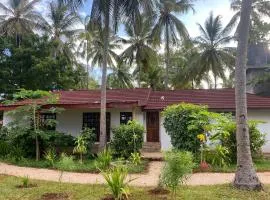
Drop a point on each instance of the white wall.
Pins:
(262, 115)
(165, 139)
(70, 121)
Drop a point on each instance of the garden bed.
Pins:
(8, 190)
(87, 167)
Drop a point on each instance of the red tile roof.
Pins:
(220, 99)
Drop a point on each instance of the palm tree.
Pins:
(245, 176)
(20, 18)
(214, 56)
(120, 77)
(85, 37)
(62, 28)
(139, 50)
(96, 49)
(107, 14)
(169, 27)
(260, 8)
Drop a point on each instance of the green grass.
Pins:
(262, 165)
(87, 167)
(9, 191)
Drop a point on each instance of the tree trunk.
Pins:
(35, 121)
(87, 65)
(167, 59)
(215, 78)
(103, 135)
(245, 176)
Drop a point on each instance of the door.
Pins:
(152, 126)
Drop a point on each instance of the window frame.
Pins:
(47, 116)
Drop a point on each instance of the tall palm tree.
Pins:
(96, 49)
(214, 56)
(169, 27)
(120, 77)
(260, 8)
(139, 50)
(61, 28)
(107, 13)
(85, 37)
(20, 18)
(245, 176)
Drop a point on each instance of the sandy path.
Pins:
(148, 179)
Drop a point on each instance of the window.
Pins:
(45, 121)
(92, 120)
(125, 117)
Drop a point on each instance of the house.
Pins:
(144, 105)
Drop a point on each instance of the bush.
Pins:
(183, 123)
(178, 165)
(127, 139)
(23, 138)
(104, 160)
(226, 134)
(50, 156)
(4, 148)
(218, 156)
(135, 159)
(66, 163)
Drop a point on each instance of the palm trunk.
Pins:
(87, 65)
(245, 176)
(103, 135)
(215, 79)
(167, 59)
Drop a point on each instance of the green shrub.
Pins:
(183, 123)
(127, 139)
(17, 153)
(178, 165)
(116, 181)
(80, 146)
(66, 163)
(226, 134)
(104, 159)
(4, 148)
(90, 137)
(218, 156)
(135, 158)
(50, 156)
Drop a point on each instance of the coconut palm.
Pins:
(260, 8)
(245, 176)
(85, 37)
(120, 77)
(139, 50)
(62, 27)
(169, 27)
(20, 18)
(214, 56)
(96, 49)
(107, 14)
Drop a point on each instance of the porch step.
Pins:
(151, 147)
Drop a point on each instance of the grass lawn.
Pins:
(87, 167)
(10, 191)
(261, 165)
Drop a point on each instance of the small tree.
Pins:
(80, 146)
(178, 165)
(28, 115)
